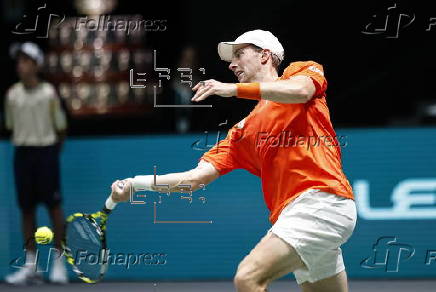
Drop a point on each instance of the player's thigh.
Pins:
(270, 259)
(336, 283)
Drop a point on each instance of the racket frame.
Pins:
(101, 231)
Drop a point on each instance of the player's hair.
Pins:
(275, 59)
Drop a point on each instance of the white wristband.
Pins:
(110, 204)
(142, 182)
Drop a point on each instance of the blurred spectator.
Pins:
(38, 123)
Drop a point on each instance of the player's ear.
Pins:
(265, 55)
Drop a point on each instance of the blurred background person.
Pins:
(34, 115)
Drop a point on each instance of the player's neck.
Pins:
(266, 75)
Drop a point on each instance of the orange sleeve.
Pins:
(222, 155)
(311, 69)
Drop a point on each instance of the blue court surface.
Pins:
(280, 286)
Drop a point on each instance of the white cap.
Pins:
(30, 49)
(261, 38)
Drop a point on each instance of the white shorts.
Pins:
(316, 224)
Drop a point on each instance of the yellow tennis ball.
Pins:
(43, 235)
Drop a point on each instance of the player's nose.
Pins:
(233, 66)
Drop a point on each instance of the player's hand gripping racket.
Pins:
(85, 242)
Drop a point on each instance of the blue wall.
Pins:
(389, 169)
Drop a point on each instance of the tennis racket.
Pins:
(84, 243)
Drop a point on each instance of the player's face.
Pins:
(246, 63)
(26, 67)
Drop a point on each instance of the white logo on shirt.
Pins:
(314, 69)
(240, 125)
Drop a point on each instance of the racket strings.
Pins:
(85, 245)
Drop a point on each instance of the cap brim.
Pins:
(226, 49)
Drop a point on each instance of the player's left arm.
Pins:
(296, 89)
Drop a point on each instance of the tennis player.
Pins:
(289, 142)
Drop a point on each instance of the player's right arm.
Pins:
(182, 182)
(219, 160)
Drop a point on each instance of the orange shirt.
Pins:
(291, 147)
